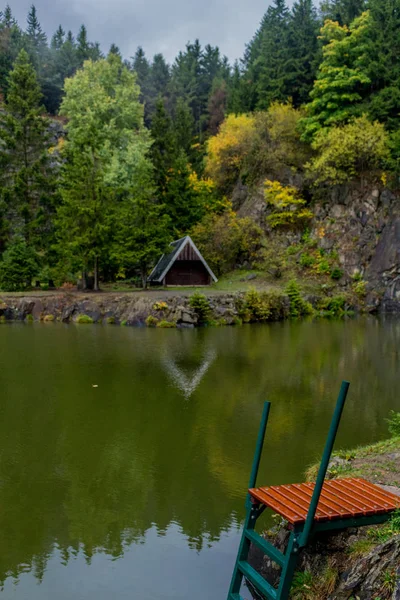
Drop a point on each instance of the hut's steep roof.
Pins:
(167, 260)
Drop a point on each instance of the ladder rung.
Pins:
(266, 547)
(259, 582)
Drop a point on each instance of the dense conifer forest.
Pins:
(105, 159)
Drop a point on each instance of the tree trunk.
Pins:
(144, 280)
(84, 279)
(96, 274)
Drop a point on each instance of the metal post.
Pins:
(259, 445)
(324, 463)
(251, 509)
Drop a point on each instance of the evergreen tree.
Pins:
(36, 36)
(141, 67)
(160, 76)
(303, 51)
(342, 81)
(383, 62)
(18, 266)
(83, 48)
(342, 11)
(58, 39)
(163, 150)
(186, 82)
(115, 50)
(183, 127)
(26, 174)
(181, 201)
(273, 61)
(238, 96)
(11, 41)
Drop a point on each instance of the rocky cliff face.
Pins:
(362, 223)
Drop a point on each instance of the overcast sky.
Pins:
(157, 25)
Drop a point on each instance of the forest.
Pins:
(105, 159)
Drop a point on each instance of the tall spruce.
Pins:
(342, 11)
(303, 50)
(384, 63)
(274, 56)
(163, 150)
(26, 173)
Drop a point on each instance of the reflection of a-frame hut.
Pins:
(183, 265)
(188, 383)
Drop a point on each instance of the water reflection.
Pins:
(187, 382)
(87, 471)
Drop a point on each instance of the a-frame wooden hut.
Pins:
(184, 265)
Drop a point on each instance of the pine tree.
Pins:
(238, 92)
(273, 60)
(383, 62)
(36, 36)
(342, 11)
(183, 128)
(11, 41)
(163, 150)
(83, 48)
(303, 51)
(115, 50)
(141, 67)
(58, 38)
(181, 201)
(26, 174)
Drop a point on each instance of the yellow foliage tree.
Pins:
(288, 208)
(227, 151)
(226, 240)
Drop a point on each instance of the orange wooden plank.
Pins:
(340, 498)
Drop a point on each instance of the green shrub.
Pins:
(201, 306)
(307, 260)
(394, 423)
(166, 324)
(298, 306)
(335, 306)
(360, 288)
(49, 318)
(2, 319)
(336, 273)
(151, 321)
(323, 266)
(17, 267)
(257, 306)
(29, 318)
(237, 321)
(110, 320)
(84, 320)
(124, 323)
(260, 306)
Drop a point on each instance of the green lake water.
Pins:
(135, 489)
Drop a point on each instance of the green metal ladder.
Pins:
(300, 532)
(299, 535)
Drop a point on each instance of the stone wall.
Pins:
(128, 309)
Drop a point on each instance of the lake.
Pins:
(135, 488)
